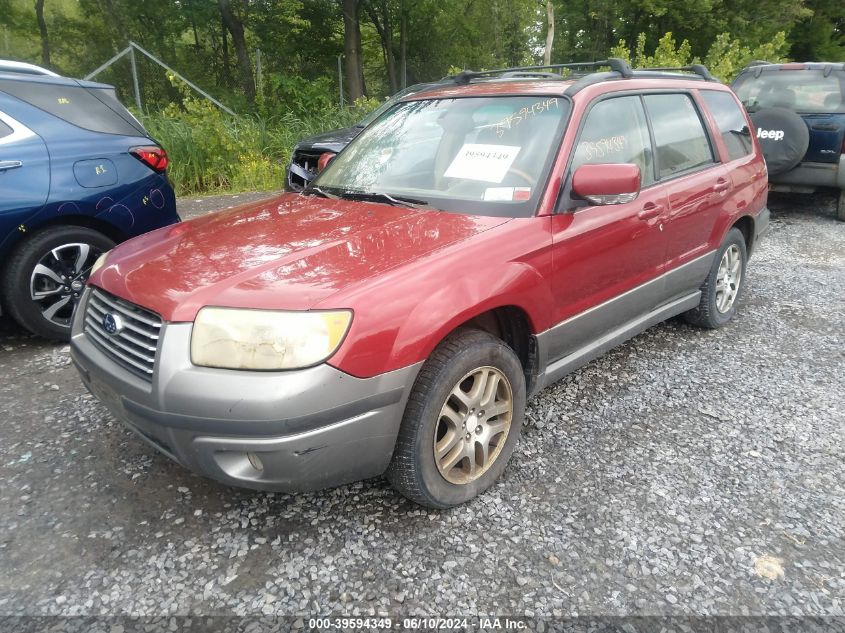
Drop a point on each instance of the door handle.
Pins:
(826, 127)
(10, 164)
(721, 186)
(650, 210)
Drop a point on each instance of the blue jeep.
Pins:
(78, 173)
(798, 110)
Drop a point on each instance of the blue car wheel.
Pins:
(46, 274)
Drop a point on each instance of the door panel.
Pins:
(602, 252)
(696, 185)
(695, 203)
(24, 175)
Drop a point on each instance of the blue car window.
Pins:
(798, 90)
(73, 104)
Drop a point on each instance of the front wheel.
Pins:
(723, 285)
(46, 274)
(462, 421)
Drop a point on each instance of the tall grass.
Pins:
(212, 152)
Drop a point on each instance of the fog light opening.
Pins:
(255, 462)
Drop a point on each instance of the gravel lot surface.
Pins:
(686, 472)
(192, 207)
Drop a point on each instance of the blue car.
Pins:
(78, 174)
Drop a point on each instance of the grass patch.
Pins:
(213, 152)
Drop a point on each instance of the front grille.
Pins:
(307, 162)
(133, 347)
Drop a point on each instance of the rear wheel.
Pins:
(462, 421)
(46, 275)
(723, 285)
(840, 207)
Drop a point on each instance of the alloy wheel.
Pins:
(728, 278)
(473, 425)
(57, 281)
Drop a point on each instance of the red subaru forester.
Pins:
(471, 246)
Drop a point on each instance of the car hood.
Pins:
(332, 141)
(289, 252)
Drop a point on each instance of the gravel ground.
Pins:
(192, 207)
(687, 472)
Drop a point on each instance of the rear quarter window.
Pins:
(731, 122)
(76, 105)
(5, 130)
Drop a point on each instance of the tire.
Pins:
(787, 138)
(840, 207)
(712, 311)
(459, 362)
(60, 249)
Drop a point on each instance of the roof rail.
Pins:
(698, 69)
(759, 62)
(616, 65)
(619, 69)
(528, 74)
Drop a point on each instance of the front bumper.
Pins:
(310, 429)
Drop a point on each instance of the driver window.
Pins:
(616, 132)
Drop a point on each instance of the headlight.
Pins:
(266, 339)
(99, 263)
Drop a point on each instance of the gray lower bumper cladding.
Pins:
(288, 431)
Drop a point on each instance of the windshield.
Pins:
(798, 90)
(384, 107)
(478, 155)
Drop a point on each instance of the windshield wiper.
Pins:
(317, 191)
(380, 196)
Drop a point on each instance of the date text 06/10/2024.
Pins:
(417, 624)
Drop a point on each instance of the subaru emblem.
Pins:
(112, 323)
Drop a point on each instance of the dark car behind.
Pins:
(303, 165)
(799, 114)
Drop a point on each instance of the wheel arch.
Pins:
(83, 221)
(745, 224)
(511, 324)
(17, 239)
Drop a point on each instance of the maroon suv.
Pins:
(471, 246)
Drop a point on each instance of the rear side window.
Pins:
(679, 135)
(731, 121)
(616, 131)
(74, 104)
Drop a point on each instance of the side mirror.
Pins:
(613, 183)
(325, 159)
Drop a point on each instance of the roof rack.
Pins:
(528, 74)
(758, 66)
(616, 65)
(619, 69)
(759, 62)
(698, 69)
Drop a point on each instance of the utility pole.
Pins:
(135, 85)
(258, 72)
(340, 77)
